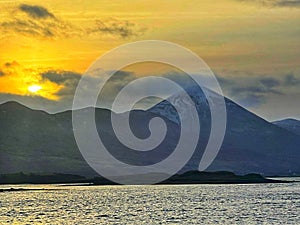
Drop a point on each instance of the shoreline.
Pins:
(190, 177)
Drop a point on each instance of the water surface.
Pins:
(160, 204)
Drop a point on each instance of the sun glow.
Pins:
(34, 88)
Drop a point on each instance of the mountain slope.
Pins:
(251, 144)
(35, 141)
(291, 125)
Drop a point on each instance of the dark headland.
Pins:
(191, 177)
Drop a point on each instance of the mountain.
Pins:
(291, 125)
(251, 144)
(35, 141)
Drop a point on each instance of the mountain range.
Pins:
(38, 142)
(291, 125)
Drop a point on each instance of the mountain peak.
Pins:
(13, 105)
(289, 124)
(287, 120)
(16, 107)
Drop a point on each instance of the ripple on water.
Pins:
(178, 204)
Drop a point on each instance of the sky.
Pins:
(251, 45)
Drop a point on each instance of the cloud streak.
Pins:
(37, 21)
(252, 91)
(123, 29)
(275, 3)
(291, 80)
(35, 11)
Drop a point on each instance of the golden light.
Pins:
(34, 88)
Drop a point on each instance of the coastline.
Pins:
(190, 177)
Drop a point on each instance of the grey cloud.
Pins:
(123, 29)
(291, 80)
(122, 75)
(113, 86)
(270, 82)
(60, 77)
(252, 90)
(252, 100)
(35, 11)
(9, 68)
(68, 79)
(275, 3)
(27, 28)
(225, 81)
(37, 21)
(11, 64)
(290, 3)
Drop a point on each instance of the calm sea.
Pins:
(164, 204)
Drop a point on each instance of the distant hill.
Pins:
(291, 125)
(220, 177)
(21, 178)
(35, 141)
(190, 177)
(38, 142)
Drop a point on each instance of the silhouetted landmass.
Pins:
(34, 141)
(222, 177)
(191, 177)
(23, 189)
(31, 178)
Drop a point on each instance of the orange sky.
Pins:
(235, 38)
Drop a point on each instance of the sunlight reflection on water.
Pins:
(161, 204)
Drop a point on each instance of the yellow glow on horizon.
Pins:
(34, 88)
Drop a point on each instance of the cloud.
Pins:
(115, 27)
(254, 90)
(252, 99)
(29, 28)
(223, 80)
(11, 64)
(269, 82)
(289, 3)
(275, 3)
(291, 80)
(68, 79)
(38, 22)
(251, 96)
(9, 68)
(35, 21)
(60, 77)
(17, 78)
(35, 11)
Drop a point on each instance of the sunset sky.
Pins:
(253, 46)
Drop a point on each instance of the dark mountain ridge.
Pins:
(35, 141)
(289, 124)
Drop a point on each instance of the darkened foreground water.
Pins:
(161, 204)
